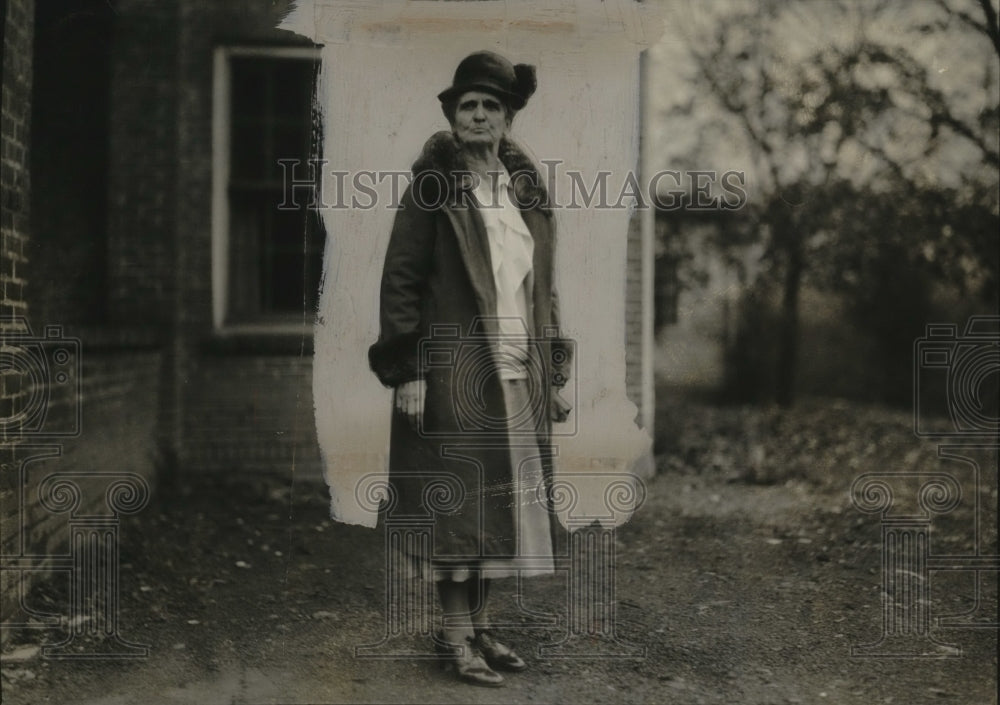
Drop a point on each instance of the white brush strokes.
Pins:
(382, 65)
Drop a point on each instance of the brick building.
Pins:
(139, 185)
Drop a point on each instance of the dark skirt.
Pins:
(533, 536)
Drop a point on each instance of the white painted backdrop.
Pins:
(383, 63)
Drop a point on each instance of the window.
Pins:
(267, 261)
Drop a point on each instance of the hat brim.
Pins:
(512, 99)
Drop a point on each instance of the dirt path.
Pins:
(740, 593)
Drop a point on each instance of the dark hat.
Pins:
(486, 71)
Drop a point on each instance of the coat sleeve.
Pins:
(394, 358)
(562, 348)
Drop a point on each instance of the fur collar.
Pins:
(441, 154)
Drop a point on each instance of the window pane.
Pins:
(290, 142)
(293, 82)
(286, 282)
(249, 81)
(249, 158)
(276, 258)
(295, 261)
(246, 236)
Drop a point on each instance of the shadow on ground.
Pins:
(747, 577)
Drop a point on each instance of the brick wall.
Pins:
(203, 27)
(250, 413)
(118, 413)
(142, 186)
(215, 414)
(240, 411)
(633, 313)
(15, 181)
(108, 401)
(159, 269)
(118, 409)
(142, 162)
(15, 185)
(69, 182)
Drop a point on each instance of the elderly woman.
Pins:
(469, 341)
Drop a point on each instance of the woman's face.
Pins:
(480, 119)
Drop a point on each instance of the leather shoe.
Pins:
(499, 656)
(467, 662)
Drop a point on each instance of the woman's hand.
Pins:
(410, 400)
(559, 408)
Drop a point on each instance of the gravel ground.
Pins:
(747, 576)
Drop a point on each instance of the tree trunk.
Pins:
(788, 335)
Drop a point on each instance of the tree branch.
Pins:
(992, 26)
(988, 27)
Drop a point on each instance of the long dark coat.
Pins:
(437, 299)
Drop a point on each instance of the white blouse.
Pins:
(511, 252)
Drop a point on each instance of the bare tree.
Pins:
(827, 116)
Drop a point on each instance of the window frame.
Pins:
(222, 124)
